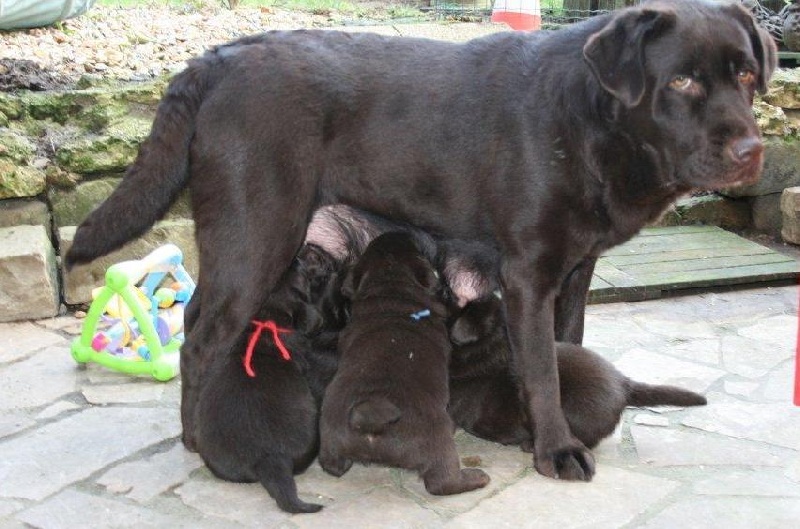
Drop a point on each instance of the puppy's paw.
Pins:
(527, 446)
(475, 478)
(189, 442)
(572, 463)
(335, 466)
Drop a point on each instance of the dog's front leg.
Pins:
(570, 305)
(530, 307)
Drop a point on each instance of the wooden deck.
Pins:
(661, 260)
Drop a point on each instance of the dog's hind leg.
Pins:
(276, 473)
(249, 227)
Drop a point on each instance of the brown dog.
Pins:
(388, 401)
(484, 399)
(548, 147)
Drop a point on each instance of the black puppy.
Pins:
(388, 401)
(610, 120)
(484, 399)
(257, 415)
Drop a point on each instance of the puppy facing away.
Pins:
(257, 414)
(387, 402)
(484, 399)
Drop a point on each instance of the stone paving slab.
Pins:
(88, 447)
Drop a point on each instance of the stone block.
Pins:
(72, 205)
(781, 170)
(79, 282)
(790, 215)
(20, 180)
(28, 274)
(714, 210)
(16, 212)
(766, 210)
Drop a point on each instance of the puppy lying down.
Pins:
(387, 402)
(484, 399)
(257, 413)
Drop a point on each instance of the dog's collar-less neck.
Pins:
(270, 325)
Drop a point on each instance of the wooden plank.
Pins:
(614, 276)
(685, 257)
(711, 263)
(693, 241)
(679, 230)
(726, 276)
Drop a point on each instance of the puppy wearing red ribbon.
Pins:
(257, 415)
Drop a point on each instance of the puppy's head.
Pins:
(682, 76)
(390, 257)
(309, 293)
(478, 321)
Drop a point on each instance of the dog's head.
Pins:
(682, 75)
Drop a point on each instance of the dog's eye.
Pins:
(746, 77)
(682, 83)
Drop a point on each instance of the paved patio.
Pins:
(87, 447)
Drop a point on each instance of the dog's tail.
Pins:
(640, 394)
(156, 177)
(373, 416)
(275, 472)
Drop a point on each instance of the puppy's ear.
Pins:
(764, 49)
(350, 283)
(478, 320)
(308, 319)
(465, 330)
(616, 53)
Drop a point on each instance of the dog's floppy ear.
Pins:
(616, 53)
(764, 48)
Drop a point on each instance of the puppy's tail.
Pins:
(155, 178)
(640, 394)
(373, 416)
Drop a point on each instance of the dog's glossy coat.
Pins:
(549, 147)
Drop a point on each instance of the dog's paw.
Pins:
(573, 463)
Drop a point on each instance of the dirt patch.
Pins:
(23, 74)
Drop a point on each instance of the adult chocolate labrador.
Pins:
(550, 147)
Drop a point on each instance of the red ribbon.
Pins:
(276, 331)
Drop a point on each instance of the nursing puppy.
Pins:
(484, 399)
(388, 401)
(257, 415)
(610, 120)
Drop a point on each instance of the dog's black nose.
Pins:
(743, 150)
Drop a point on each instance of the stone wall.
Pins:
(62, 153)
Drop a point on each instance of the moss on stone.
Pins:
(17, 181)
(71, 206)
(16, 147)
